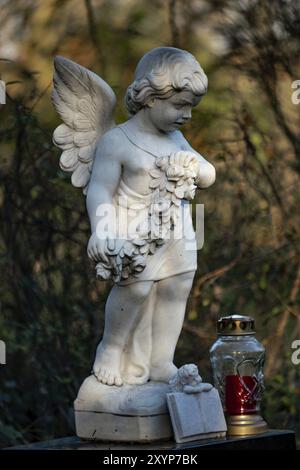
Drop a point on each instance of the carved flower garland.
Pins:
(176, 176)
(173, 179)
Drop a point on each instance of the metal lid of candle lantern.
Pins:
(235, 325)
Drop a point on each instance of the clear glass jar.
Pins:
(237, 360)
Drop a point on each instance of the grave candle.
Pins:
(237, 359)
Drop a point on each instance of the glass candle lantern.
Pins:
(237, 359)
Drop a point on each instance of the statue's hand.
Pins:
(96, 248)
(191, 161)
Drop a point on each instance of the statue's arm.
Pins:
(207, 173)
(104, 181)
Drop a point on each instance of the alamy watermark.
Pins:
(2, 92)
(296, 94)
(296, 354)
(2, 352)
(159, 220)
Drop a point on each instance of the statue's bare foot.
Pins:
(163, 372)
(106, 367)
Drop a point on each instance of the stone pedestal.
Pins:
(125, 414)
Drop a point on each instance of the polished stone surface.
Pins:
(271, 440)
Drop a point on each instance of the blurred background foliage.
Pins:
(51, 310)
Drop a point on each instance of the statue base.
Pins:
(131, 413)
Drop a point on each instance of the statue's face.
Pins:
(170, 114)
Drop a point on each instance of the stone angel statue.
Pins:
(138, 178)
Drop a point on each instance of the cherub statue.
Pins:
(139, 175)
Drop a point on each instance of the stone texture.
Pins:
(127, 413)
(111, 427)
(196, 416)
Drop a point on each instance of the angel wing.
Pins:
(86, 104)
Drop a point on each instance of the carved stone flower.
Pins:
(174, 172)
(102, 272)
(161, 205)
(162, 162)
(190, 193)
(139, 264)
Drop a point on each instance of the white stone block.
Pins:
(126, 414)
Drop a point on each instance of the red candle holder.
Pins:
(237, 360)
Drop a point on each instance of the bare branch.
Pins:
(173, 26)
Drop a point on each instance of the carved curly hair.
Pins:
(161, 73)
